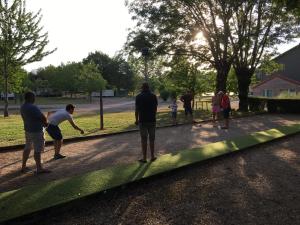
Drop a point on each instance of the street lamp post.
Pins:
(145, 54)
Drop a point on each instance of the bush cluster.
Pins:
(274, 105)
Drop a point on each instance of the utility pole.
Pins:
(101, 111)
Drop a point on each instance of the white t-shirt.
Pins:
(59, 116)
(173, 107)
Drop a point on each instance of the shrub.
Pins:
(274, 105)
(164, 94)
(256, 104)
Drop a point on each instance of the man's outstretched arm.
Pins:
(76, 127)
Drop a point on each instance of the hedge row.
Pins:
(274, 105)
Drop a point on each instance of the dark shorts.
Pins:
(54, 132)
(226, 113)
(147, 129)
(188, 110)
(174, 115)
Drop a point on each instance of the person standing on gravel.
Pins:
(187, 99)
(55, 118)
(226, 108)
(145, 117)
(34, 122)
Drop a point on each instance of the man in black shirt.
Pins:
(145, 117)
(187, 99)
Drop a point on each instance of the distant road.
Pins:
(109, 105)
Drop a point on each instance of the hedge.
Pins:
(274, 105)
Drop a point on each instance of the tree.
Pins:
(183, 76)
(15, 81)
(116, 71)
(21, 39)
(290, 5)
(232, 84)
(90, 79)
(256, 27)
(195, 28)
(125, 75)
(269, 66)
(48, 81)
(156, 68)
(68, 76)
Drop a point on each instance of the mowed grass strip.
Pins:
(34, 198)
(12, 133)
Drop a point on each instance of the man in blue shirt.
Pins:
(145, 117)
(34, 121)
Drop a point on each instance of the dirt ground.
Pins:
(259, 186)
(97, 154)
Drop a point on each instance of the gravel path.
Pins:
(121, 149)
(259, 186)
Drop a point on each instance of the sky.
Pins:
(77, 28)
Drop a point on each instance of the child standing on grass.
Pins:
(173, 108)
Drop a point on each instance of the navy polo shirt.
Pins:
(32, 118)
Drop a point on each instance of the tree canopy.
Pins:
(116, 71)
(221, 33)
(22, 39)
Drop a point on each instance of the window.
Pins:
(267, 93)
(292, 92)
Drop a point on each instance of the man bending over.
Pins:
(54, 119)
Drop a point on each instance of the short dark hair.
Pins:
(29, 96)
(70, 106)
(145, 87)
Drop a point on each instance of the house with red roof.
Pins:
(285, 81)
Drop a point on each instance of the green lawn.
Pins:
(11, 132)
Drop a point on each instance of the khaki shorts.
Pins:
(37, 140)
(147, 129)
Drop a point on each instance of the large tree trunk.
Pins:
(244, 80)
(221, 80)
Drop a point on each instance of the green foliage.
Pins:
(195, 29)
(286, 95)
(275, 105)
(257, 104)
(21, 40)
(164, 94)
(18, 81)
(156, 68)
(269, 66)
(90, 79)
(232, 83)
(292, 6)
(259, 27)
(219, 33)
(71, 78)
(116, 71)
(184, 75)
